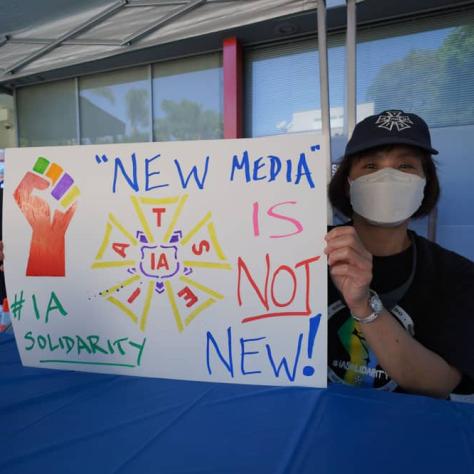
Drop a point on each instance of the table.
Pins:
(55, 421)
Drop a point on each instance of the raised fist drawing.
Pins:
(47, 247)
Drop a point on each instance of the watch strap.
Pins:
(376, 312)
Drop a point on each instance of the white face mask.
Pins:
(387, 197)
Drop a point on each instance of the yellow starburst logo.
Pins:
(161, 260)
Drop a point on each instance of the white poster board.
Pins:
(198, 260)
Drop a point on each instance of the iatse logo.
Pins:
(394, 118)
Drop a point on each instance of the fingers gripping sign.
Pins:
(49, 226)
(350, 266)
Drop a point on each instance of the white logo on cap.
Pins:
(388, 120)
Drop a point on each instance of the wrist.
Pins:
(369, 311)
(362, 310)
(361, 307)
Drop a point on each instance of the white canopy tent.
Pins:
(121, 26)
(125, 25)
(55, 39)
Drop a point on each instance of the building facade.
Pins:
(263, 79)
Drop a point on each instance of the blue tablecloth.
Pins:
(71, 422)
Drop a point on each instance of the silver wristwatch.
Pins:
(375, 304)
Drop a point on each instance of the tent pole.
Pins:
(324, 91)
(351, 99)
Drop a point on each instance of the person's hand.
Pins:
(350, 267)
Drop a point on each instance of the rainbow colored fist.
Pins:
(47, 247)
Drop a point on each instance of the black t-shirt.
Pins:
(437, 308)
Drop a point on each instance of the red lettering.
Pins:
(158, 211)
(120, 248)
(264, 298)
(203, 246)
(134, 295)
(272, 287)
(305, 264)
(241, 265)
(163, 262)
(187, 294)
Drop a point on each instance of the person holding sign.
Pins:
(401, 308)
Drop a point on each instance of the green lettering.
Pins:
(111, 349)
(53, 305)
(51, 347)
(41, 342)
(140, 349)
(117, 343)
(93, 340)
(69, 341)
(82, 345)
(31, 338)
(35, 307)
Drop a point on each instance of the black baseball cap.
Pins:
(391, 127)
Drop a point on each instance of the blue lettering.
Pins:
(148, 174)
(244, 164)
(283, 363)
(132, 182)
(256, 166)
(229, 365)
(275, 167)
(194, 174)
(303, 170)
(288, 170)
(243, 354)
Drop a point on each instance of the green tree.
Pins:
(456, 88)
(187, 120)
(408, 84)
(138, 113)
(437, 84)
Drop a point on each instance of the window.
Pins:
(188, 99)
(427, 67)
(47, 114)
(424, 66)
(115, 107)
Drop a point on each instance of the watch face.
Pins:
(376, 304)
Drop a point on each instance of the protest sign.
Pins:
(198, 260)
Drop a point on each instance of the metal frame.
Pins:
(324, 92)
(70, 42)
(151, 134)
(108, 12)
(138, 35)
(78, 110)
(158, 3)
(368, 14)
(351, 72)
(17, 119)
